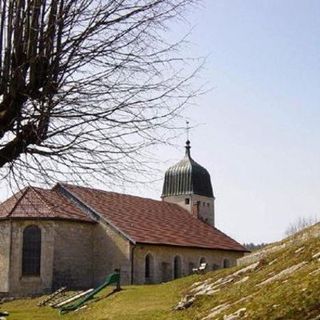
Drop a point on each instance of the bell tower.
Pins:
(188, 184)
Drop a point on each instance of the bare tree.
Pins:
(86, 84)
(300, 224)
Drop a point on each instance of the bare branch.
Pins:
(87, 85)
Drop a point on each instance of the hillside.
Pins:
(281, 281)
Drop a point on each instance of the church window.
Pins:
(31, 251)
(176, 267)
(226, 263)
(203, 260)
(191, 267)
(186, 200)
(148, 268)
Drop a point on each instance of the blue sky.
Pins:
(258, 129)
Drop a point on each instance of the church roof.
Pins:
(140, 220)
(38, 203)
(187, 177)
(153, 222)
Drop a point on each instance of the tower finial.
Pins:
(187, 129)
(188, 141)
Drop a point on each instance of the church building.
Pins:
(75, 236)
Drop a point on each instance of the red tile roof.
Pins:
(41, 203)
(139, 219)
(153, 222)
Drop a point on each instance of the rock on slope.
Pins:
(281, 281)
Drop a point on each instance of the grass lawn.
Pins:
(131, 303)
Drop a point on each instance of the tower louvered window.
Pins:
(31, 251)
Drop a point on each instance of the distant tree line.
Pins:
(294, 227)
(252, 246)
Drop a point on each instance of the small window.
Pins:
(147, 267)
(177, 267)
(187, 201)
(148, 271)
(31, 251)
(226, 263)
(203, 204)
(208, 204)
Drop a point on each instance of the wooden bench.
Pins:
(201, 268)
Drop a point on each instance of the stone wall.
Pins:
(111, 251)
(66, 257)
(4, 256)
(73, 255)
(162, 268)
(81, 255)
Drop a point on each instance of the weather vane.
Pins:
(187, 129)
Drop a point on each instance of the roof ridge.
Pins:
(105, 191)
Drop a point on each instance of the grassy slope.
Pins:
(133, 302)
(294, 296)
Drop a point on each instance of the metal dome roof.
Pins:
(187, 177)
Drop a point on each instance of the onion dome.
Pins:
(187, 177)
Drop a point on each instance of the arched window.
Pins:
(148, 271)
(191, 267)
(31, 251)
(203, 260)
(176, 267)
(226, 263)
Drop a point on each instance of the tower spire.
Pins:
(188, 147)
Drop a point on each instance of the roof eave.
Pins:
(10, 218)
(191, 246)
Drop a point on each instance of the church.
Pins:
(75, 236)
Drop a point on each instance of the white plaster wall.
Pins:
(206, 212)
